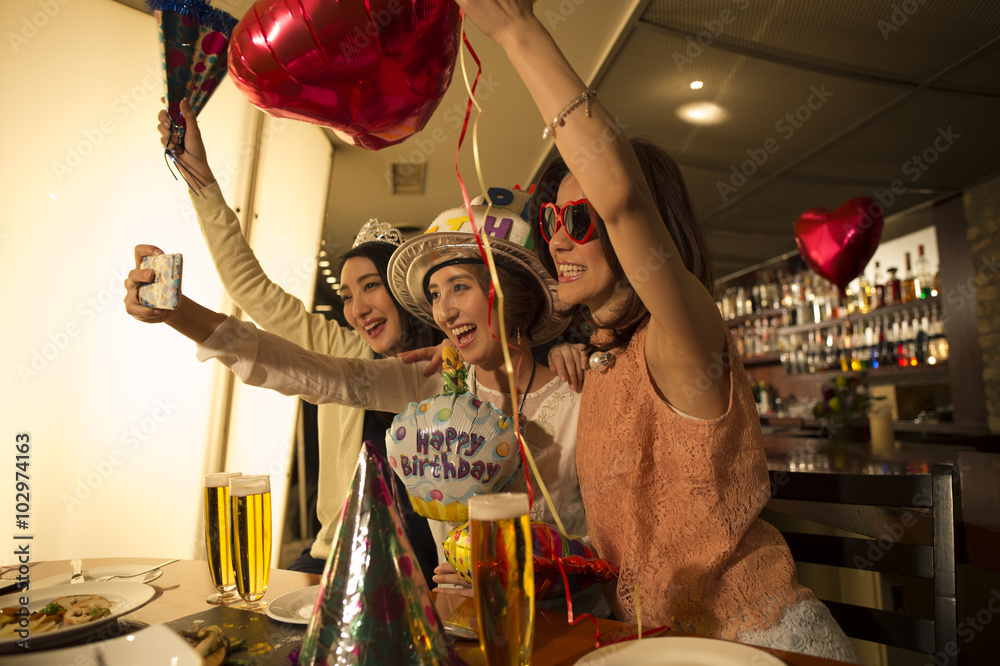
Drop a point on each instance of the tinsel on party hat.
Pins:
(374, 606)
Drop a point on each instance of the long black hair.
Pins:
(672, 200)
(415, 333)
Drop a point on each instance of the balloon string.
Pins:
(495, 289)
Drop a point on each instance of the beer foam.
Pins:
(220, 480)
(254, 484)
(498, 506)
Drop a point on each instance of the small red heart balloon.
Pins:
(838, 244)
(373, 70)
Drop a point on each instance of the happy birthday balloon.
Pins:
(373, 70)
(452, 446)
(838, 244)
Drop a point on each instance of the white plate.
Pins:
(679, 651)
(295, 607)
(124, 598)
(89, 575)
(154, 646)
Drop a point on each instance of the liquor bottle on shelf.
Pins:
(804, 312)
(740, 303)
(888, 351)
(835, 305)
(923, 337)
(925, 283)
(786, 289)
(819, 302)
(936, 285)
(879, 285)
(908, 291)
(845, 346)
(764, 294)
(893, 288)
(903, 354)
(876, 359)
(864, 293)
(795, 288)
(937, 344)
(859, 351)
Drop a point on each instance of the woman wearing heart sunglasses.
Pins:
(673, 485)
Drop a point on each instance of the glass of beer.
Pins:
(250, 501)
(217, 541)
(503, 577)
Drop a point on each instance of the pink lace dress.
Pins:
(674, 502)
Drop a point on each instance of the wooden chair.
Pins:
(908, 526)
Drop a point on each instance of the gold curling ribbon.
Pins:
(488, 256)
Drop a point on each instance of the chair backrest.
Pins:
(908, 526)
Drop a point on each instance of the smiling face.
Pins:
(583, 271)
(368, 306)
(461, 310)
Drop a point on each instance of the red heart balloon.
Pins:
(838, 244)
(373, 70)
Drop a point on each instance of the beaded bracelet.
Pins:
(560, 120)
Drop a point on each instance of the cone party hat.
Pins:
(374, 606)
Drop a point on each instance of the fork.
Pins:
(105, 579)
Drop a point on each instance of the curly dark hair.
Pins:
(672, 200)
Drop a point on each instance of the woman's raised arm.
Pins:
(686, 332)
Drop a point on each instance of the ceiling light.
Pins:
(324, 263)
(52, 195)
(702, 113)
(326, 271)
(696, 85)
(331, 280)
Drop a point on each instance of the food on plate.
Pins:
(212, 644)
(64, 611)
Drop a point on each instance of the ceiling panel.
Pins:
(933, 141)
(789, 109)
(906, 40)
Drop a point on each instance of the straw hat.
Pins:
(449, 239)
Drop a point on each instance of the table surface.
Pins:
(182, 589)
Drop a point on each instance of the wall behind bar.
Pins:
(982, 212)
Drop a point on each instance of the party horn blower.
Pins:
(194, 37)
(374, 606)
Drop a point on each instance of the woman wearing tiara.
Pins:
(379, 328)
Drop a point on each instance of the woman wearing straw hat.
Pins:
(439, 277)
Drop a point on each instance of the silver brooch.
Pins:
(602, 361)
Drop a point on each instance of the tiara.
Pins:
(374, 231)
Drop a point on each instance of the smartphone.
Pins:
(164, 292)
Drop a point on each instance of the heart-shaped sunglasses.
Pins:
(576, 217)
